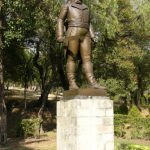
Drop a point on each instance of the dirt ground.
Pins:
(47, 142)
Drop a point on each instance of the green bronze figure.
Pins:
(78, 38)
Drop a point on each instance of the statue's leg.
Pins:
(73, 47)
(85, 50)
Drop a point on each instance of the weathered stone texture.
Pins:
(85, 123)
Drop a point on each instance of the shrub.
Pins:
(30, 127)
(140, 128)
(134, 112)
(122, 109)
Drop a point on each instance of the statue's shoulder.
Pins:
(69, 3)
(84, 6)
(65, 6)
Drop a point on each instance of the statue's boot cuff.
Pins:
(70, 68)
(88, 71)
(72, 83)
(73, 87)
(97, 86)
(92, 82)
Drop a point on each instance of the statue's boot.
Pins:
(88, 71)
(70, 68)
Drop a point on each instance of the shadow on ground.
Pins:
(29, 144)
(14, 145)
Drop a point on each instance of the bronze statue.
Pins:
(78, 39)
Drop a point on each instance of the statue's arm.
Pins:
(60, 23)
(92, 34)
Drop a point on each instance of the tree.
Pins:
(48, 60)
(121, 54)
(122, 51)
(36, 26)
(3, 124)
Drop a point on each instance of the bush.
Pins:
(139, 126)
(30, 127)
(134, 112)
(122, 109)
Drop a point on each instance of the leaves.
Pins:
(122, 52)
(121, 56)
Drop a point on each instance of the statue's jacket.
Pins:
(76, 15)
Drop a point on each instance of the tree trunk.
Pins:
(3, 123)
(44, 94)
(140, 86)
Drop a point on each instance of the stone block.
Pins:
(102, 129)
(109, 112)
(108, 121)
(109, 146)
(85, 123)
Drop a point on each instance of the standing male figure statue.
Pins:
(78, 39)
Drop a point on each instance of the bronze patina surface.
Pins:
(75, 17)
(85, 92)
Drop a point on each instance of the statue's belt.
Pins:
(67, 39)
(78, 24)
(65, 45)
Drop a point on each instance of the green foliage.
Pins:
(105, 12)
(120, 121)
(126, 146)
(20, 20)
(29, 24)
(135, 127)
(115, 86)
(149, 108)
(140, 128)
(121, 57)
(18, 64)
(30, 127)
(122, 109)
(134, 112)
(122, 52)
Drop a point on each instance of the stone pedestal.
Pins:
(85, 121)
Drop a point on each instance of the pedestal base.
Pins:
(85, 123)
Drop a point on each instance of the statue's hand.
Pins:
(60, 39)
(95, 39)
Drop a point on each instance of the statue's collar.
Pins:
(78, 2)
(79, 6)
